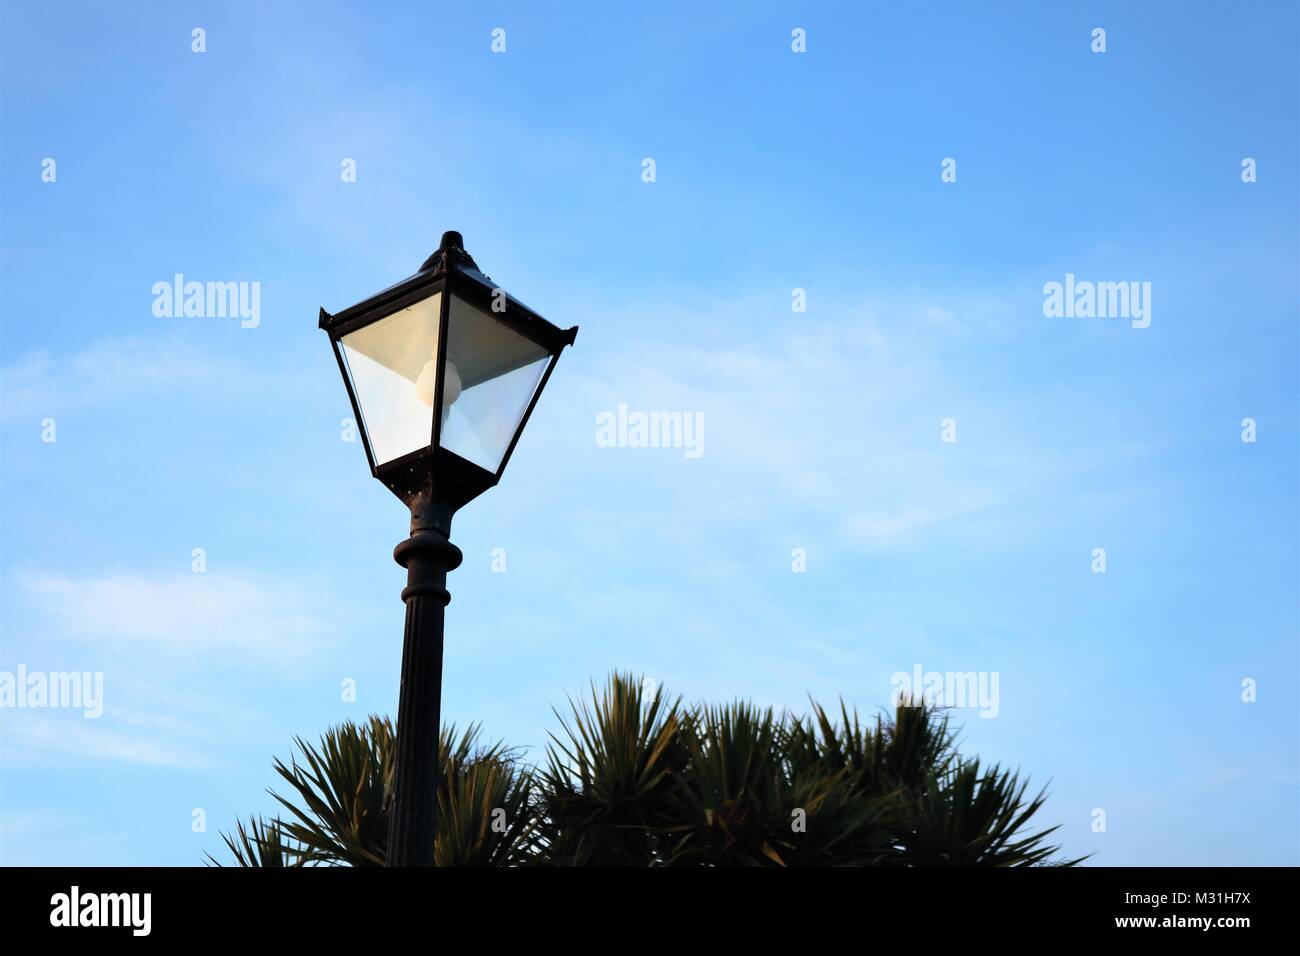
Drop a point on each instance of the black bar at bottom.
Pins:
(332, 905)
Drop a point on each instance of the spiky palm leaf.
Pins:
(917, 747)
(728, 805)
(751, 797)
(485, 805)
(899, 754)
(263, 844)
(609, 773)
(969, 818)
(343, 787)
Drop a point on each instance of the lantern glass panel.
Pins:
(392, 366)
(491, 374)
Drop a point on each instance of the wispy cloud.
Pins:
(889, 529)
(112, 371)
(841, 421)
(166, 644)
(41, 737)
(189, 616)
(42, 382)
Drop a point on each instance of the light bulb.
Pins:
(450, 385)
(425, 384)
(428, 381)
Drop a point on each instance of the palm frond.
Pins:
(263, 844)
(607, 777)
(344, 787)
(971, 818)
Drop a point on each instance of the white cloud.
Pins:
(41, 737)
(199, 618)
(40, 383)
(137, 372)
(890, 529)
(167, 645)
(887, 529)
(840, 421)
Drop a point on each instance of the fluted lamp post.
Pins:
(443, 371)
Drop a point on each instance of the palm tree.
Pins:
(634, 779)
(604, 798)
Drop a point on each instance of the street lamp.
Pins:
(443, 371)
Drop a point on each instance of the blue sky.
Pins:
(821, 429)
